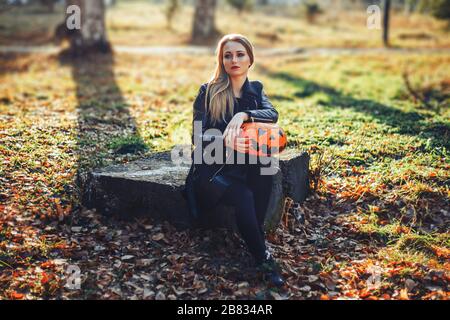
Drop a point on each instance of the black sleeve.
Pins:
(265, 112)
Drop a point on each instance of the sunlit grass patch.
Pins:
(127, 144)
(377, 156)
(402, 238)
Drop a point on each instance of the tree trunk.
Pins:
(387, 6)
(92, 35)
(204, 28)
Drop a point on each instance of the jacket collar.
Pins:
(249, 96)
(248, 90)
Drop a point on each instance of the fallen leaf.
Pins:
(158, 236)
(276, 295)
(16, 295)
(148, 293)
(305, 288)
(45, 278)
(201, 291)
(160, 296)
(403, 294)
(313, 278)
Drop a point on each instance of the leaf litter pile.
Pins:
(359, 235)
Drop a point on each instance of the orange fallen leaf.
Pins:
(349, 294)
(403, 294)
(45, 278)
(158, 236)
(441, 252)
(16, 296)
(364, 293)
(47, 265)
(59, 209)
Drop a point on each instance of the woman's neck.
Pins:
(237, 84)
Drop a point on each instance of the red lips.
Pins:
(235, 67)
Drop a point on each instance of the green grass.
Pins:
(127, 144)
(368, 135)
(385, 157)
(378, 156)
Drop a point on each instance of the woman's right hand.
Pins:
(232, 132)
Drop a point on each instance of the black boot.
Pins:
(271, 271)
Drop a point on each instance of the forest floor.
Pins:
(376, 224)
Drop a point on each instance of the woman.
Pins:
(227, 101)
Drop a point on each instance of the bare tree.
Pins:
(204, 27)
(386, 9)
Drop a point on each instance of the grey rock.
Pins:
(153, 187)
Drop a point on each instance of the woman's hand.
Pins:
(233, 130)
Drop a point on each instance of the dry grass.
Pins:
(385, 168)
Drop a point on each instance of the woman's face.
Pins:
(235, 59)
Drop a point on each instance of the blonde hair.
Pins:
(219, 87)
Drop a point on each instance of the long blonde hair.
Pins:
(219, 87)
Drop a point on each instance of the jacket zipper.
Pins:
(223, 165)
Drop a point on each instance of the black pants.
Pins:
(250, 202)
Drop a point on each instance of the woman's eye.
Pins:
(229, 56)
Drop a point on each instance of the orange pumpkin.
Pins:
(266, 139)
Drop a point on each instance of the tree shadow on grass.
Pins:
(403, 122)
(408, 123)
(106, 129)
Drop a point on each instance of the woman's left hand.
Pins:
(234, 128)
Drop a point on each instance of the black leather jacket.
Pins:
(203, 178)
